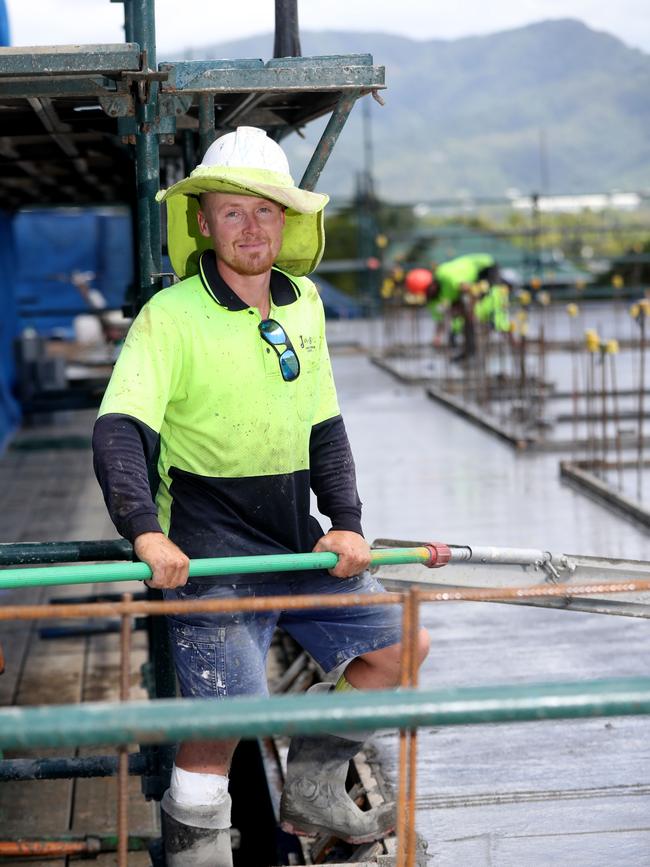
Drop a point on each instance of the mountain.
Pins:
(481, 115)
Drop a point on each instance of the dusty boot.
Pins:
(315, 800)
(196, 836)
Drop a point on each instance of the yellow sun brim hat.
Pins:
(245, 162)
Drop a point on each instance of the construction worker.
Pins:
(453, 293)
(493, 305)
(226, 378)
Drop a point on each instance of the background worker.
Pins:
(492, 307)
(226, 377)
(450, 295)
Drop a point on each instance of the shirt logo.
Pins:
(307, 343)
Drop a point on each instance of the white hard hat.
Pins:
(247, 147)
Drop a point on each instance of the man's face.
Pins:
(246, 232)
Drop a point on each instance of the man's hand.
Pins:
(353, 551)
(168, 564)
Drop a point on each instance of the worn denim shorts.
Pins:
(225, 654)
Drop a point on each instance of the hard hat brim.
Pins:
(304, 233)
(247, 182)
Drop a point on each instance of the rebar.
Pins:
(603, 403)
(617, 420)
(123, 754)
(412, 602)
(403, 800)
(639, 482)
(293, 603)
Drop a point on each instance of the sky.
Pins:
(182, 24)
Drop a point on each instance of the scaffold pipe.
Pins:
(169, 720)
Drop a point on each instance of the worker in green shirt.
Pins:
(225, 383)
(492, 307)
(454, 292)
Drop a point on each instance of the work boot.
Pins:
(315, 799)
(196, 836)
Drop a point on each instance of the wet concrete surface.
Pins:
(547, 793)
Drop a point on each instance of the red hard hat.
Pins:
(418, 280)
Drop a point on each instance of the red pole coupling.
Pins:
(440, 554)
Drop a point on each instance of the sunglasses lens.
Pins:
(289, 365)
(273, 332)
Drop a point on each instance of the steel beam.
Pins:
(345, 72)
(73, 88)
(170, 720)
(101, 59)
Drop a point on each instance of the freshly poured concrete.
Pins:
(553, 793)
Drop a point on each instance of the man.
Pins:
(226, 376)
(451, 293)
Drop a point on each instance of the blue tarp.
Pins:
(51, 244)
(9, 411)
(4, 24)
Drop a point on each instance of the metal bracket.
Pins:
(118, 105)
(143, 78)
(553, 568)
(174, 104)
(167, 108)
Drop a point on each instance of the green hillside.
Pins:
(469, 115)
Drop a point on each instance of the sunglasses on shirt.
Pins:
(275, 335)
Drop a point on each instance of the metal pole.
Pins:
(68, 768)
(171, 720)
(23, 553)
(328, 139)
(214, 566)
(128, 19)
(287, 33)
(147, 157)
(207, 132)
(189, 151)
(639, 482)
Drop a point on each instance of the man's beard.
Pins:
(248, 264)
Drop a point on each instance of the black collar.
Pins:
(283, 290)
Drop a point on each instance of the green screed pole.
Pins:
(97, 573)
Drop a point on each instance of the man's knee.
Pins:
(392, 655)
(424, 645)
(388, 660)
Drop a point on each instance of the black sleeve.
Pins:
(123, 447)
(333, 478)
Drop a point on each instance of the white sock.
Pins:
(191, 789)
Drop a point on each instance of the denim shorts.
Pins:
(225, 654)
